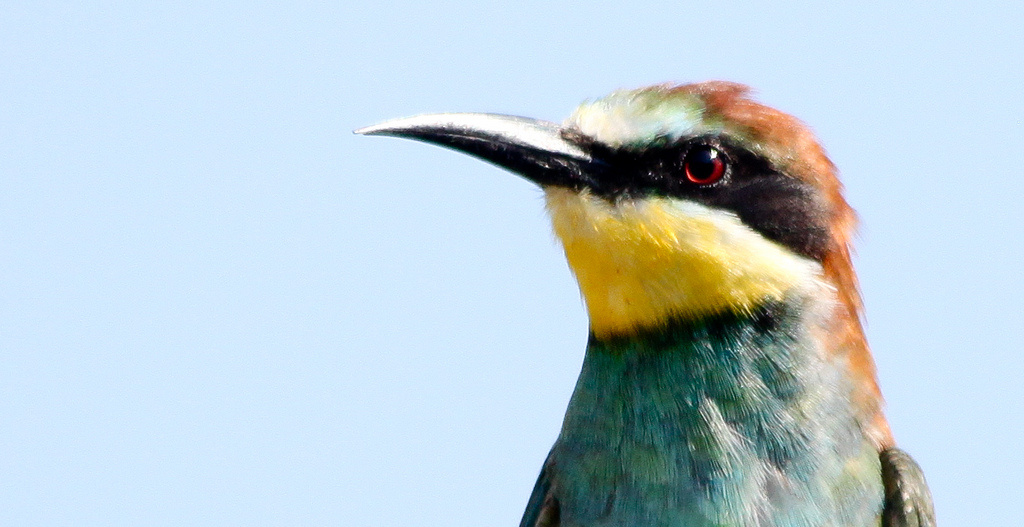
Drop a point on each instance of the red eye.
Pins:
(704, 165)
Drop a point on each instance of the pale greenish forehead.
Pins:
(644, 117)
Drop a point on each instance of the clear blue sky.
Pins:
(219, 307)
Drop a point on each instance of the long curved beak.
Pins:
(537, 150)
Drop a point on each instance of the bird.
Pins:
(727, 380)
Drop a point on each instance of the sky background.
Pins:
(220, 307)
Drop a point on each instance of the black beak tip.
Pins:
(370, 130)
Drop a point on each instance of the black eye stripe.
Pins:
(782, 208)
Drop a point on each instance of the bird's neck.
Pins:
(721, 418)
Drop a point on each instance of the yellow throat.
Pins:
(643, 262)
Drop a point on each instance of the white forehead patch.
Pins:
(638, 118)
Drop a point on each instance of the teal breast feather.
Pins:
(728, 421)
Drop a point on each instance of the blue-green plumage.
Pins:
(727, 421)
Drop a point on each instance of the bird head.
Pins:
(673, 201)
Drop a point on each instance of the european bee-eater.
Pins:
(727, 380)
